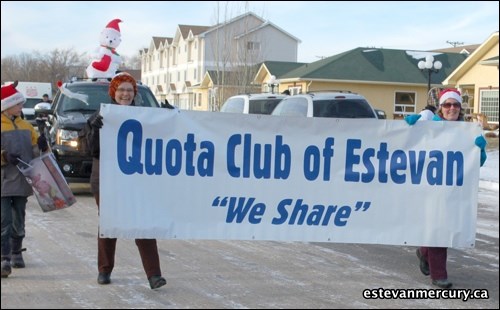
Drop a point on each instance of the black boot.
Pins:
(17, 260)
(443, 283)
(423, 264)
(157, 282)
(6, 270)
(5, 258)
(104, 278)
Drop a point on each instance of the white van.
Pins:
(33, 91)
(252, 103)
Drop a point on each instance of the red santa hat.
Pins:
(11, 97)
(450, 93)
(113, 25)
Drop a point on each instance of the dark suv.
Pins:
(327, 104)
(72, 106)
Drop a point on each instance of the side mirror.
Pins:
(167, 105)
(43, 109)
(381, 114)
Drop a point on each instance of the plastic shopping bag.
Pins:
(48, 183)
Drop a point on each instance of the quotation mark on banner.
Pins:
(360, 204)
(218, 203)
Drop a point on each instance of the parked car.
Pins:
(252, 103)
(70, 110)
(28, 110)
(327, 104)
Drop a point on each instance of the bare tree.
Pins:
(133, 62)
(235, 60)
(58, 64)
(21, 67)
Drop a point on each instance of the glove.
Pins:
(12, 158)
(483, 157)
(481, 143)
(97, 122)
(412, 119)
(42, 143)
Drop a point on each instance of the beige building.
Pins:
(175, 67)
(389, 79)
(477, 78)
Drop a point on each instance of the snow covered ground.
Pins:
(488, 224)
(489, 172)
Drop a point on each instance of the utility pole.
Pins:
(455, 43)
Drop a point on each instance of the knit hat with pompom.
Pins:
(118, 80)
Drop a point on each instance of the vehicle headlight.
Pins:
(67, 138)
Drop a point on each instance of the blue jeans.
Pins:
(13, 215)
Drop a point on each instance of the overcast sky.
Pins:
(325, 28)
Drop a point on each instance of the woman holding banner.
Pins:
(122, 89)
(432, 260)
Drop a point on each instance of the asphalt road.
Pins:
(61, 269)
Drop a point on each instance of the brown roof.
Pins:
(158, 40)
(194, 29)
(458, 49)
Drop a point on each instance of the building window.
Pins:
(189, 47)
(253, 46)
(297, 90)
(488, 99)
(404, 103)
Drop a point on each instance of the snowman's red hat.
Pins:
(113, 25)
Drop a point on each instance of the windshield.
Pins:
(349, 108)
(87, 98)
(263, 106)
(233, 105)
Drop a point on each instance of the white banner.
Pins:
(176, 174)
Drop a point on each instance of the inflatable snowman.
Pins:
(106, 60)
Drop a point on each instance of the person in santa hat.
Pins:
(432, 260)
(20, 141)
